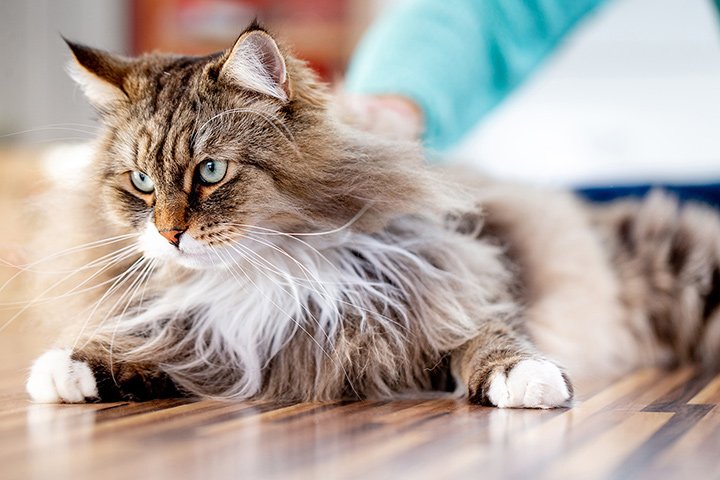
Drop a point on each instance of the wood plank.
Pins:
(598, 458)
(695, 453)
(709, 394)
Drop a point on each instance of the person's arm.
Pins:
(457, 59)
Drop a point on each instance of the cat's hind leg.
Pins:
(500, 367)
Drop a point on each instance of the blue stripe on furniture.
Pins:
(708, 193)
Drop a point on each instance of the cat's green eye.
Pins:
(212, 171)
(142, 182)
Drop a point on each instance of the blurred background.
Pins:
(632, 95)
(36, 92)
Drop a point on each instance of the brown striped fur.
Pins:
(667, 257)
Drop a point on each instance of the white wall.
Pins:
(35, 91)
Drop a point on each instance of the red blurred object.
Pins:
(323, 32)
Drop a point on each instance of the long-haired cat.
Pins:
(246, 243)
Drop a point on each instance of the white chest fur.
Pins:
(263, 293)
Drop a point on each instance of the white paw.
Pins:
(530, 384)
(56, 378)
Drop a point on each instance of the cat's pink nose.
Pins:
(173, 236)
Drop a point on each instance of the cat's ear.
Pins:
(100, 74)
(255, 62)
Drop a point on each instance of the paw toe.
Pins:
(55, 377)
(530, 384)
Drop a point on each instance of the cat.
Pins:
(244, 242)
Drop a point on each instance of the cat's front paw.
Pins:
(55, 377)
(530, 384)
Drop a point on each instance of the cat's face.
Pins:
(200, 151)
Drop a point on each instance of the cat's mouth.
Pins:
(189, 252)
(197, 260)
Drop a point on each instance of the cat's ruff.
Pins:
(252, 306)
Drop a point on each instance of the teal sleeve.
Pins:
(457, 59)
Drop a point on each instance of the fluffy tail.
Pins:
(668, 259)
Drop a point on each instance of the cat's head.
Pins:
(199, 151)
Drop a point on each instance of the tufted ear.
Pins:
(256, 63)
(100, 74)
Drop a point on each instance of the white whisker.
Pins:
(76, 290)
(144, 277)
(113, 288)
(345, 226)
(279, 126)
(40, 296)
(76, 249)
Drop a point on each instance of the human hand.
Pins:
(392, 116)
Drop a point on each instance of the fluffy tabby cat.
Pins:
(249, 244)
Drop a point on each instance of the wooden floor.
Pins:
(651, 425)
